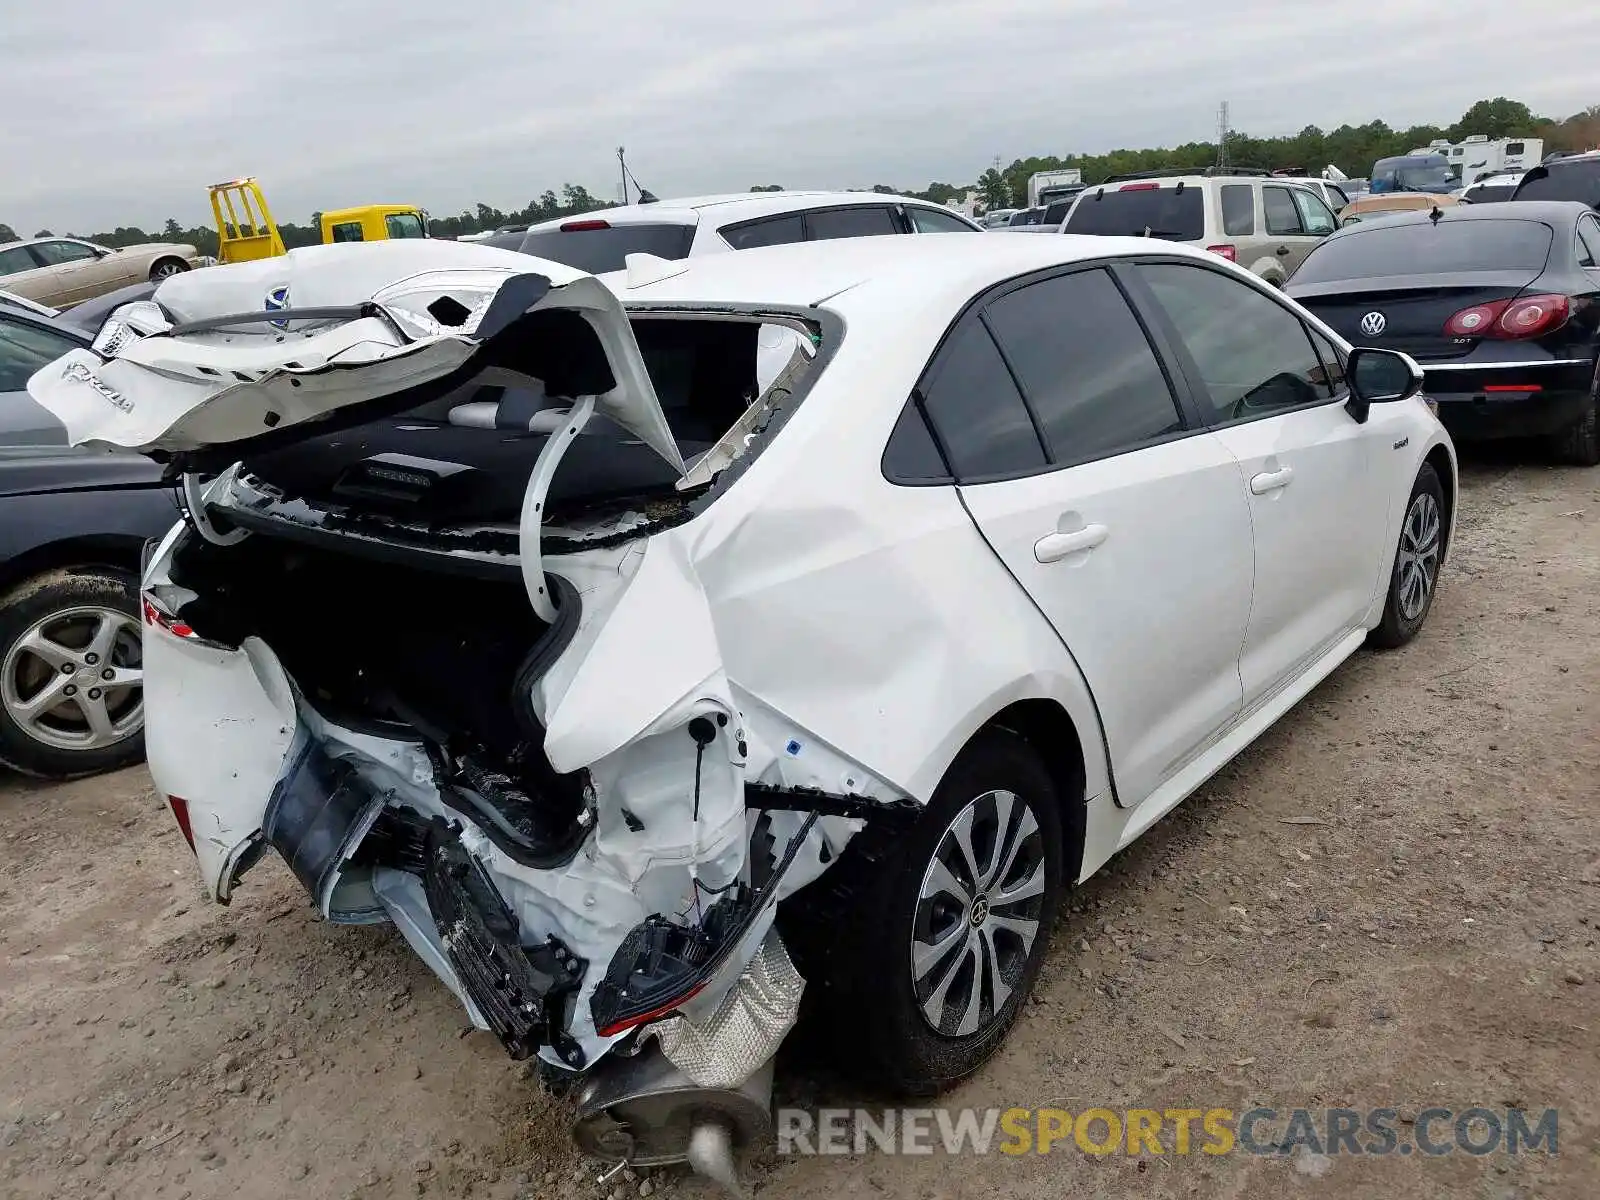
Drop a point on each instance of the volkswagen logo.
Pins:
(277, 301)
(1373, 324)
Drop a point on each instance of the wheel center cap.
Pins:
(980, 910)
(87, 676)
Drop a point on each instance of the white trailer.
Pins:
(1044, 186)
(1474, 157)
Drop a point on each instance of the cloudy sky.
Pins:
(122, 114)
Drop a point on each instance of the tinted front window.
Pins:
(826, 224)
(1085, 366)
(1238, 209)
(1253, 354)
(24, 349)
(1423, 248)
(598, 250)
(1564, 181)
(774, 231)
(1160, 212)
(977, 411)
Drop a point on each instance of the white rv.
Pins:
(1478, 156)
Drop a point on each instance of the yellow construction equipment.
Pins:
(246, 230)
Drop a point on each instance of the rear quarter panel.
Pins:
(872, 617)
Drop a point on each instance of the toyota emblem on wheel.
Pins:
(1373, 323)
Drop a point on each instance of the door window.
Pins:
(1589, 243)
(24, 348)
(404, 225)
(347, 231)
(826, 224)
(1253, 355)
(1283, 218)
(976, 410)
(54, 254)
(1315, 216)
(16, 260)
(1085, 366)
(931, 220)
(1332, 360)
(1238, 209)
(769, 231)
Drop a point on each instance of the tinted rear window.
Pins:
(599, 250)
(1423, 248)
(1564, 181)
(1488, 194)
(1164, 212)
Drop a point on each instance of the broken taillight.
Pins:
(180, 813)
(655, 1014)
(156, 614)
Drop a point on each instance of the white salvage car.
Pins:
(528, 612)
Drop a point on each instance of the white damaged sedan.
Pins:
(649, 648)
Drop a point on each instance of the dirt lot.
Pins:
(1392, 899)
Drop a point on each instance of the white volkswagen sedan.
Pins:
(516, 608)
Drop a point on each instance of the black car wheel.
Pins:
(1416, 563)
(71, 673)
(166, 268)
(1579, 444)
(923, 972)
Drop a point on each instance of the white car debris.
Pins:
(553, 620)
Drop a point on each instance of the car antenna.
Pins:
(1436, 214)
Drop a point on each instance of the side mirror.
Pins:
(1379, 377)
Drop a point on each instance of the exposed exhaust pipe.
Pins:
(644, 1112)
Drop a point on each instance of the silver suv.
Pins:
(1257, 221)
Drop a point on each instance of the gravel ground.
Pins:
(1392, 899)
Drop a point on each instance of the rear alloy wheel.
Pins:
(71, 674)
(923, 970)
(977, 914)
(1416, 563)
(166, 268)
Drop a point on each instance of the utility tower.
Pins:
(1222, 138)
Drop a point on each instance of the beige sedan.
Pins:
(62, 272)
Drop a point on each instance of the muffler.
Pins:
(698, 1089)
(645, 1112)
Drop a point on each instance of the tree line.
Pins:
(1351, 148)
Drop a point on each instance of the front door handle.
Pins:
(1283, 252)
(1053, 547)
(1271, 481)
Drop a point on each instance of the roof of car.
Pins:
(1553, 212)
(805, 274)
(731, 206)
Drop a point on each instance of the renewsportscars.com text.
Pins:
(1434, 1132)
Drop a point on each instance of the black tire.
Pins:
(1402, 616)
(855, 943)
(1579, 444)
(68, 604)
(165, 268)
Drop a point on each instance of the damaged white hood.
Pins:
(207, 364)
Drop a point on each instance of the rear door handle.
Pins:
(1053, 547)
(1271, 481)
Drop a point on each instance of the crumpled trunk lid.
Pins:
(228, 360)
